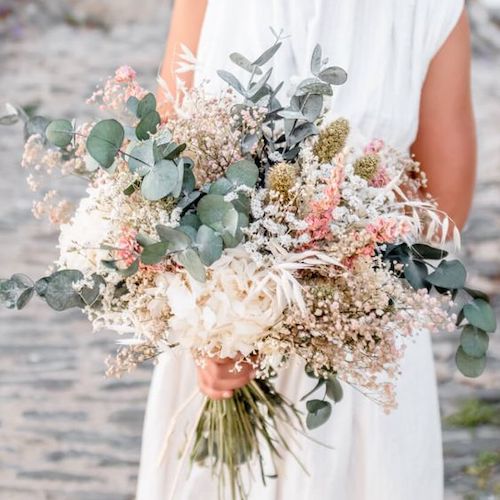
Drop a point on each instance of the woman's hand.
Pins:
(218, 378)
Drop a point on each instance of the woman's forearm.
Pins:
(185, 29)
(446, 143)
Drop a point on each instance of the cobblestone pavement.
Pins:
(66, 432)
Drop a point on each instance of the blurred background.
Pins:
(66, 432)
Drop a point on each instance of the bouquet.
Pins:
(248, 228)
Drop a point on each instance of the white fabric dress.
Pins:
(386, 47)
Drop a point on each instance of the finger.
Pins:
(223, 384)
(229, 371)
(214, 394)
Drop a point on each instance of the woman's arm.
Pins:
(185, 28)
(446, 142)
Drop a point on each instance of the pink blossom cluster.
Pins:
(117, 90)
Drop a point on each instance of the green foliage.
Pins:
(210, 245)
(104, 142)
(16, 291)
(479, 313)
(474, 413)
(474, 341)
(154, 253)
(160, 181)
(450, 274)
(244, 173)
(141, 158)
(59, 133)
(193, 264)
(318, 413)
(470, 366)
(148, 125)
(176, 240)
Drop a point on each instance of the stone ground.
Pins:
(66, 432)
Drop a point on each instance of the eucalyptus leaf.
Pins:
(477, 294)
(91, 295)
(468, 365)
(130, 270)
(474, 341)
(416, 273)
(313, 86)
(59, 293)
(152, 254)
(241, 61)
(12, 289)
(59, 133)
(188, 180)
(232, 81)
(259, 85)
(221, 186)
(160, 181)
(243, 172)
(36, 126)
(427, 252)
(334, 389)
(177, 240)
(146, 105)
(191, 219)
(210, 245)
(188, 199)
(312, 106)
(104, 142)
(333, 75)
(450, 274)
(302, 132)
(318, 413)
(191, 261)
(189, 230)
(480, 314)
(144, 240)
(267, 55)
(132, 105)
(24, 298)
(248, 142)
(316, 60)
(176, 192)
(212, 209)
(148, 125)
(141, 159)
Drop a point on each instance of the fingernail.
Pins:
(227, 394)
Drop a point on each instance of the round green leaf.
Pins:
(334, 389)
(210, 245)
(212, 209)
(468, 365)
(221, 186)
(152, 254)
(146, 105)
(427, 252)
(479, 313)
(59, 292)
(450, 274)
(194, 266)
(59, 133)
(474, 342)
(36, 126)
(160, 181)
(104, 142)
(148, 125)
(415, 274)
(141, 159)
(243, 172)
(318, 413)
(333, 75)
(176, 239)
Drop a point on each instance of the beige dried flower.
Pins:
(367, 166)
(282, 178)
(332, 140)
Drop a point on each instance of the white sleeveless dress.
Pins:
(386, 47)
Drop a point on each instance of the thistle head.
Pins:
(367, 166)
(281, 178)
(332, 140)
